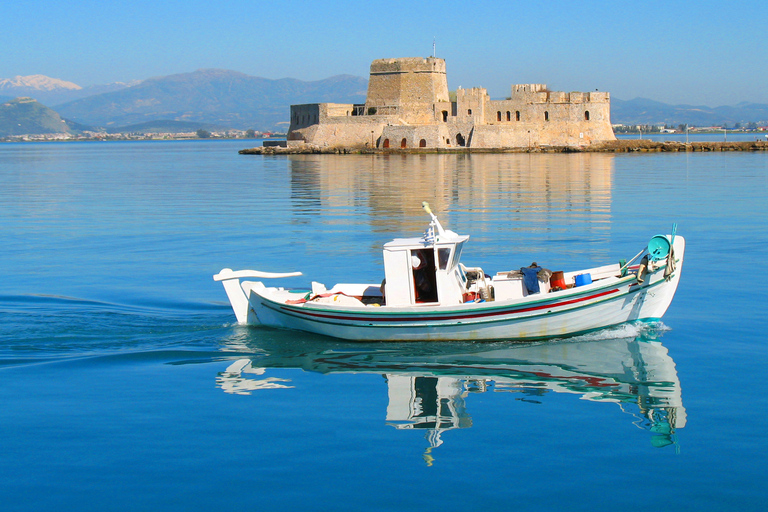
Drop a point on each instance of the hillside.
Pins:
(26, 116)
(213, 96)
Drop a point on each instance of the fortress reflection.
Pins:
(429, 385)
(518, 191)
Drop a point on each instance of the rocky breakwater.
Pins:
(643, 145)
(304, 149)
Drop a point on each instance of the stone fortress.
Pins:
(408, 106)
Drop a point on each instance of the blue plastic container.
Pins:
(583, 279)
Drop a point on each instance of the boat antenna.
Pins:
(435, 223)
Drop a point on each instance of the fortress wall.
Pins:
(304, 115)
(351, 132)
(471, 105)
(336, 110)
(434, 135)
(540, 134)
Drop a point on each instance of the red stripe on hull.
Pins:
(429, 317)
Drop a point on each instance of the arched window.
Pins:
(546, 115)
(386, 143)
(498, 115)
(469, 111)
(517, 115)
(423, 143)
(403, 143)
(459, 140)
(445, 116)
(586, 115)
(509, 116)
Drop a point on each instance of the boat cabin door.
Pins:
(423, 275)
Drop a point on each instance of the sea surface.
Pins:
(125, 383)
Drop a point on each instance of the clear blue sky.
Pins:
(697, 52)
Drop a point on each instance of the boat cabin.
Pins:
(425, 270)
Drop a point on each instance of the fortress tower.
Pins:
(407, 88)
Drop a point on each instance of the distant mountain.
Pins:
(214, 96)
(52, 91)
(645, 111)
(24, 116)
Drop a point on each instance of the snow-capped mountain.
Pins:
(53, 91)
(36, 82)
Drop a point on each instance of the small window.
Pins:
(457, 254)
(586, 115)
(498, 115)
(546, 115)
(469, 111)
(386, 143)
(403, 143)
(517, 115)
(423, 143)
(509, 116)
(443, 257)
(445, 116)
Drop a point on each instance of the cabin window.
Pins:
(403, 143)
(509, 116)
(457, 254)
(423, 143)
(546, 115)
(586, 115)
(498, 115)
(517, 115)
(443, 257)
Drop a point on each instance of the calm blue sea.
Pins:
(125, 384)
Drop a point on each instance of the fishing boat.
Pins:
(429, 295)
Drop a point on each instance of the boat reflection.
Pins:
(429, 384)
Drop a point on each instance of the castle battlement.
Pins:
(408, 105)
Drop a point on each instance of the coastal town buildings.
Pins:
(408, 105)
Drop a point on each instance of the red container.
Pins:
(557, 280)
